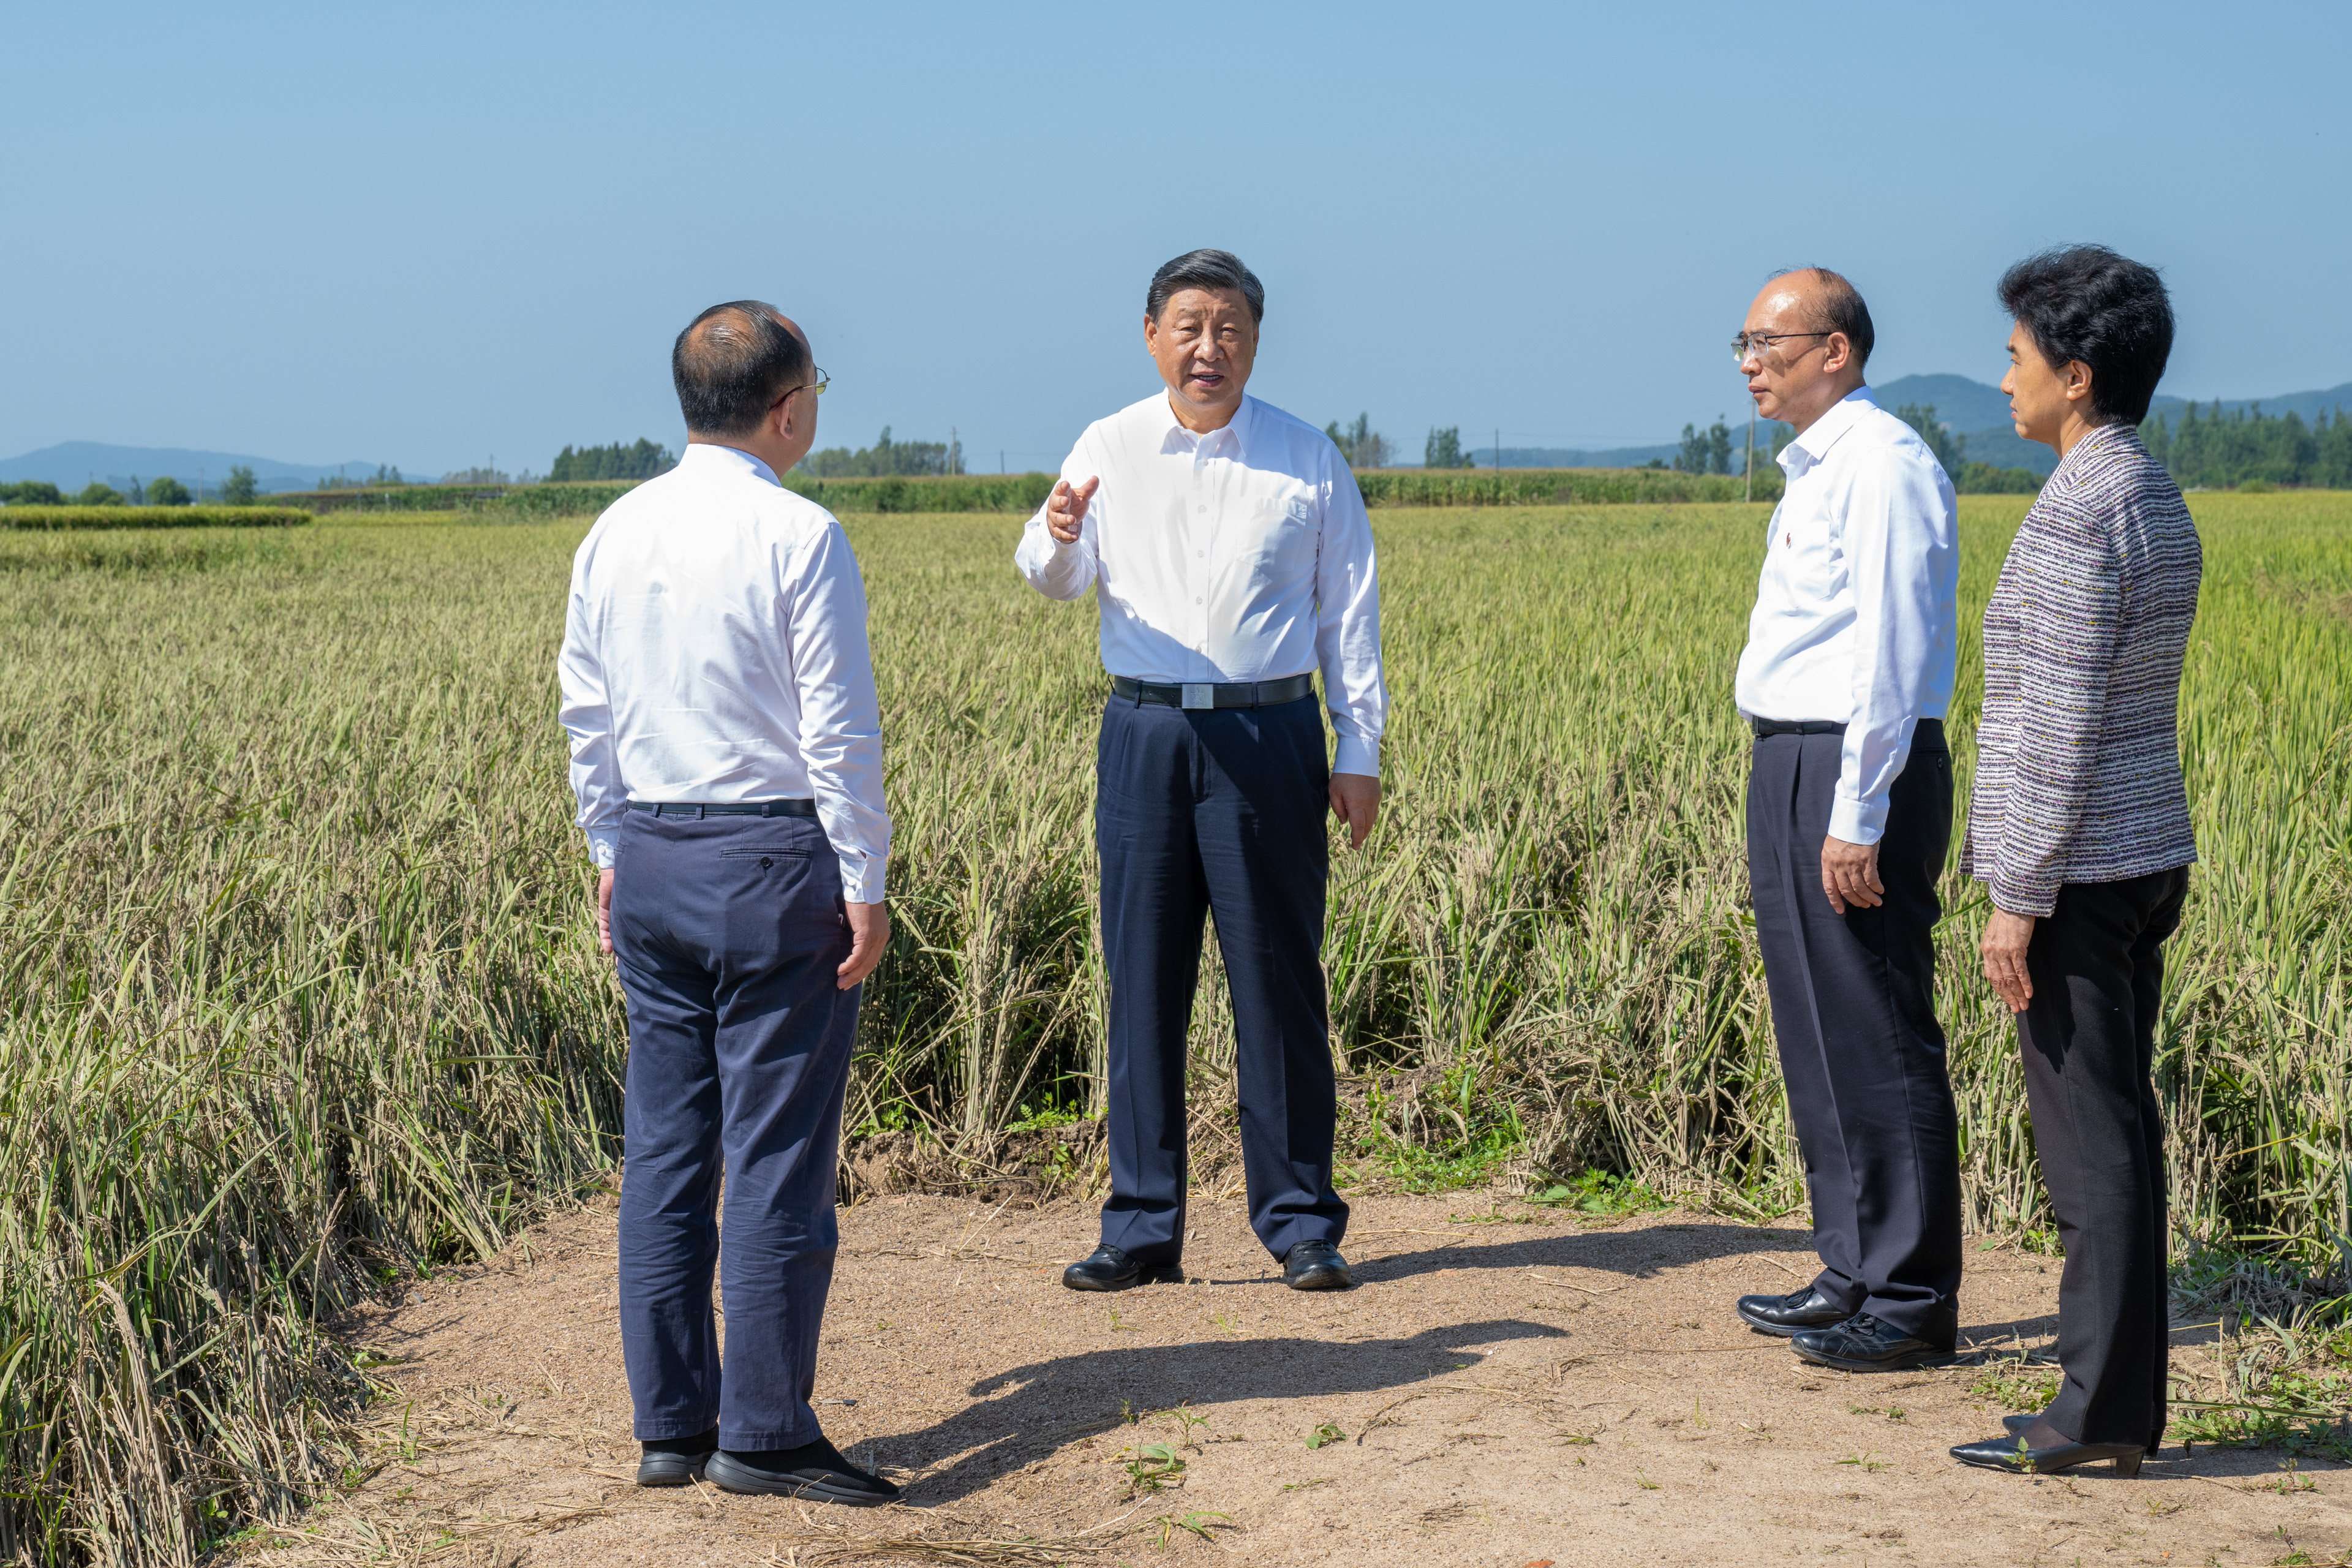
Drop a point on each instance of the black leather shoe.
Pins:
(1316, 1266)
(1863, 1343)
(2014, 1425)
(816, 1471)
(2011, 1453)
(1790, 1314)
(1109, 1269)
(676, 1461)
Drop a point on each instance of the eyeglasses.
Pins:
(1754, 343)
(817, 386)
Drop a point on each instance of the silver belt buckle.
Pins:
(1200, 696)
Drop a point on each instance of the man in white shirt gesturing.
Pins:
(1233, 559)
(1845, 680)
(727, 753)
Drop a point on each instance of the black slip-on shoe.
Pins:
(676, 1461)
(2014, 1425)
(1863, 1343)
(2011, 1453)
(1109, 1269)
(814, 1471)
(1792, 1313)
(1316, 1266)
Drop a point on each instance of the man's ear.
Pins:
(1839, 350)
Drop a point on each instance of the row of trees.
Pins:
(238, 489)
(2251, 447)
(641, 461)
(1363, 447)
(884, 459)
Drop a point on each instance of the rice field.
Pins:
(299, 993)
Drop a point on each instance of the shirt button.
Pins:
(1201, 509)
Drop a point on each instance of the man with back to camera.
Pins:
(1845, 680)
(1234, 559)
(726, 753)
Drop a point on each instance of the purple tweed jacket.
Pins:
(2078, 761)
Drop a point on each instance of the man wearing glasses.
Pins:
(727, 753)
(1233, 559)
(1845, 680)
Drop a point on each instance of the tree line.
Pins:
(237, 490)
(886, 458)
(641, 461)
(2249, 450)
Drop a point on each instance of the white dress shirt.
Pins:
(715, 653)
(1243, 554)
(1857, 619)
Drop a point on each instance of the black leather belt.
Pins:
(1927, 732)
(1217, 693)
(745, 808)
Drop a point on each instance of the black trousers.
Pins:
(1853, 1007)
(2088, 1037)
(1216, 810)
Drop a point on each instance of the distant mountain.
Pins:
(1981, 414)
(70, 464)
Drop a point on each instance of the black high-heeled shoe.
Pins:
(2017, 1424)
(2011, 1454)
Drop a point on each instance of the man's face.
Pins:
(1790, 369)
(1205, 342)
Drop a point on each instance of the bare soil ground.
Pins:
(1493, 1393)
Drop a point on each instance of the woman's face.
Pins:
(2043, 396)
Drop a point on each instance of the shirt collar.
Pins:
(1822, 434)
(725, 460)
(1232, 441)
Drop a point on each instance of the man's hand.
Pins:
(1849, 875)
(1356, 801)
(605, 911)
(2006, 938)
(869, 933)
(1065, 509)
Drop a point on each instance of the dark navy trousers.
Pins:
(1854, 1010)
(729, 930)
(1216, 811)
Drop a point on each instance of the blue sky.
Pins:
(430, 234)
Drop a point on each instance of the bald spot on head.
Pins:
(734, 362)
(1823, 302)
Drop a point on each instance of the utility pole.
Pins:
(955, 451)
(1751, 449)
(1498, 449)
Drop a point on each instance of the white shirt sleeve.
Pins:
(1056, 570)
(587, 717)
(823, 604)
(1348, 628)
(1898, 521)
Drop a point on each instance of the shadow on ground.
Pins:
(1038, 1408)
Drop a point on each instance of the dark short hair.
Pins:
(2086, 303)
(731, 363)
(1841, 310)
(1205, 270)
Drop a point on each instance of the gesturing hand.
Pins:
(869, 933)
(1849, 875)
(1065, 509)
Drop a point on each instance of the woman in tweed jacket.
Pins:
(2079, 825)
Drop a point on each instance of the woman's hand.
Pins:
(2006, 938)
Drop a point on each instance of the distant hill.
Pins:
(1981, 414)
(70, 464)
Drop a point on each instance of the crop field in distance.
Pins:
(299, 994)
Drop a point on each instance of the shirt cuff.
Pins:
(2013, 899)
(603, 848)
(1857, 821)
(861, 883)
(1357, 757)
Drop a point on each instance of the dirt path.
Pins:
(1505, 1394)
